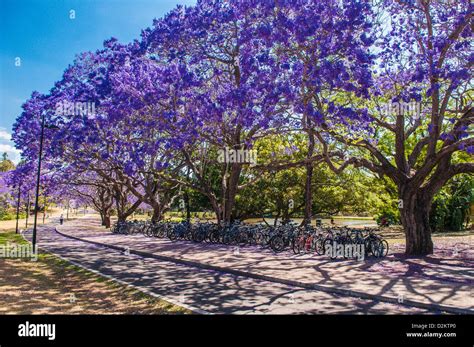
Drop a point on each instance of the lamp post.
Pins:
(18, 208)
(38, 174)
(27, 210)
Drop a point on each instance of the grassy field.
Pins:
(53, 286)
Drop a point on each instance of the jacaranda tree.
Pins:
(230, 75)
(420, 107)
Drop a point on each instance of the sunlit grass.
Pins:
(46, 285)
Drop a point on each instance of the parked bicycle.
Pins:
(300, 239)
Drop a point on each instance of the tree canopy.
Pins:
(383, 87)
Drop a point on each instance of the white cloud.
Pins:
(4, 135)
(6, 145)
(13, 153)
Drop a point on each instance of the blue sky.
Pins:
(45, 38)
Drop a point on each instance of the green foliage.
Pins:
(281, 193)
(387, 214)
(11, 237)
(450, 209)
(4, 207)
(387, 204)
(7, 211)
(6, 164)
(11, 216)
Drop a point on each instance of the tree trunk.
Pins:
(216, 208)
(102, 220)
(27, 211)
(121, 203)
(188, 207)
(157, 214)
(415, 220)
(308, 193)
(231, 191)
(107, 222)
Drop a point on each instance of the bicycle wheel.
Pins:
(188, 234)
(309, 244)
(199, 236)
(277, 243)
(148, 231)
(214, 236)
(227, 238)
(265, 240)
(261, 238)
(298, 245)
(377, 248)
(252, 239)
(160, 232)
(242, 239)
(384, 248)
(172, 235)
(319, 246)
(328, 248)
(367, 246)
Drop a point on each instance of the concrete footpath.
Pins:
(443, 281)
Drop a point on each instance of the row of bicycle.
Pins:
(299, 238)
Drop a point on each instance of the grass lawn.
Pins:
(53, 286)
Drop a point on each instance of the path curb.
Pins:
(193, 309)
(327, 289)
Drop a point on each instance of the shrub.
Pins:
(450, 209)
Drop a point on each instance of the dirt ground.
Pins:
(6, 225)
(53, 286)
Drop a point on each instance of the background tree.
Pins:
(6, 164)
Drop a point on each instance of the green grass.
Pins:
(55, 262)
(63, 268)
(353, 217)
(11, 237)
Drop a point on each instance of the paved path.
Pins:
(444, 279)
(206, 290)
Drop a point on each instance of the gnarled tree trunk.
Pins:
(231, 191)
(308, 192)
(124, 209)
(414, 215)
(106, 220)
(157, 214)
